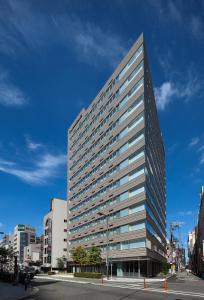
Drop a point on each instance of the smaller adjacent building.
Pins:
(7, 241)
(196, 241)
(191, 244)
(55, 233)
(32, 254)
(40, 240)
(24, 235)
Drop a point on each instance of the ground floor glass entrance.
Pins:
(128, 268)
(135, 268)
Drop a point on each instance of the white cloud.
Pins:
(201, 148)
(164, 95)
(32, 145)
(186, 213)
(178, 88)
(175, 11)
(10, 95)
(194, 142)
(28, 28)
(40, 172)
(202, 159)
(197, 26)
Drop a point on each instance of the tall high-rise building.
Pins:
(116, 175)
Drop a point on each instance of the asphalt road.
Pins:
(179, 289)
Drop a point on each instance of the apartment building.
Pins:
(32, 253)
(23, 235)
(7, 241)
(116, 172)
(55, 233)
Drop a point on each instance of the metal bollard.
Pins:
(165, 285)
(145, 283)
(102, 279)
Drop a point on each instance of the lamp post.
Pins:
(107, 242)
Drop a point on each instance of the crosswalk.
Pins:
(158, 287)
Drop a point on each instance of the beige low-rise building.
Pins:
(32, 253)
(55, 233)
(23, 235)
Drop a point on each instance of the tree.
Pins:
(61, 263)
(37, 263)
(5, 256)
(94, 256)
(80, 256)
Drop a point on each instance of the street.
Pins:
(182, 287)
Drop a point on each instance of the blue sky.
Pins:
(54, 58)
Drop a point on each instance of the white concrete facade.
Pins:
(55, 233)
(7, 241)
(32, 253)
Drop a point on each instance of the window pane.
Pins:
(124, 196)
(124, 228)
(124, 212)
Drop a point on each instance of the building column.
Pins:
(119, 269)
(139, 274)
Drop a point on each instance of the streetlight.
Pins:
(107, 242)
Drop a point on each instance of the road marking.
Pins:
(134, 287)
(153, 290)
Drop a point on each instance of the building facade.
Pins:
(116, 175)
(191, 244)
(24, 235)
(7, 241)
(32, 253)
(55, 233)
(197, 257)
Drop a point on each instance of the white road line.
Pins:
(133, 287)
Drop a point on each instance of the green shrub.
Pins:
(51, 273)
(6, 276)
(165, 268)
(88, 275)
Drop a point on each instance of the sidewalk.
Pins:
(120, 280)
(10, 292)
(187, 277)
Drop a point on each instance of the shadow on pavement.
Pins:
(41, 283)
(131, 294)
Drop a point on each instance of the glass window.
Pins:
(136, 209)
(137, 226)
(139, 138)
(124, 246)
(123, 148)
(124, 196)
(137, 244)
(124, 164)
(136, 174)
(123, 133)
(135, 123)
(135, 157)
(124, 212)
(124, 229)
(124, 180)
